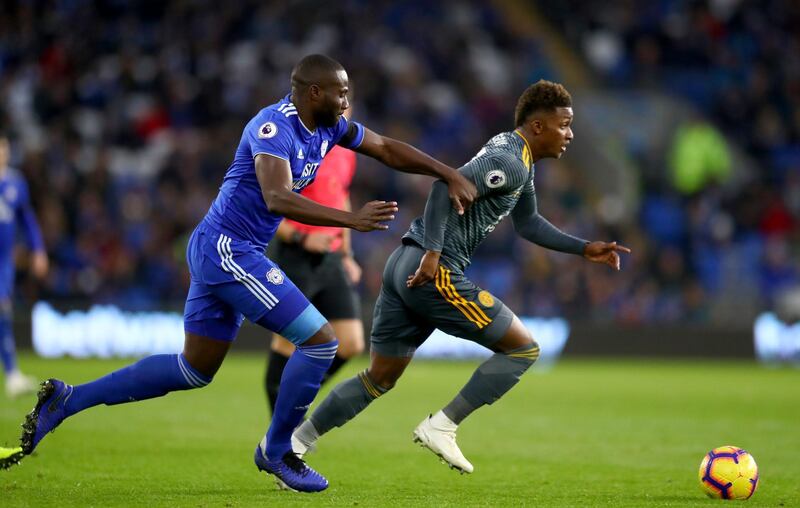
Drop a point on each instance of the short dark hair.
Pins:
(542, 95)
(313, 69)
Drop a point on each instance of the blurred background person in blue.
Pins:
(15, 211)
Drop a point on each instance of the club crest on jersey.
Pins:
(495, 178)
(486, 298)
(275, 276)
(324, 148)
(267, 130)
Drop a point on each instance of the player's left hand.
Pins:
(426, 271)
(352, 269)
(39, 265)
(605, 253)
(462, 192)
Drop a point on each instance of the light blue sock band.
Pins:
(303, 326)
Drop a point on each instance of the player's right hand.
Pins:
(605, 253)
(462, 192)
(373, 215)
(426, 271)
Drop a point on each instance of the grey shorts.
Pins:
(404, 317)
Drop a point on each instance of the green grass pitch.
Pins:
(586, 433)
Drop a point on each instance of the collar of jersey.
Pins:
(307, 133)
(527, 147)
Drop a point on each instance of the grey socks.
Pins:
(491, 380)
(344, 402)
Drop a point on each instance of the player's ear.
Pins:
(314, 92)
(537, 125)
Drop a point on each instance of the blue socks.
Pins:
(148, 378)
(8, 354)
(299, 385)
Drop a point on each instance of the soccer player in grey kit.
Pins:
(424, 286)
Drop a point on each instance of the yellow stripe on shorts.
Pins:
(470, 310)
(470, 303)
(447, 290)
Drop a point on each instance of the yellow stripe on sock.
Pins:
(371, 389)
(531, 354)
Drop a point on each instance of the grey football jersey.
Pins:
(501, 171)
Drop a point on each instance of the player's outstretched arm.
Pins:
(275, 179)
(39, 263)
(406, 158)
(535, 228)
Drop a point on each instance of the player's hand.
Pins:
(426, 271)
(605, 253)
(352, 269)
(462, 192)
(318, 243)
(372, 215)
(39, 265)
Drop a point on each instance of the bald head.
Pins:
(317, 70)
(319, 87)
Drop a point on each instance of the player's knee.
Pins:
(526, 354)
(525, 336)
(197, 375)
(516, 338)
(385, 378)
(323, 336)
(204, 355)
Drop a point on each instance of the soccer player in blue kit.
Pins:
(15, 209)
(231, 278)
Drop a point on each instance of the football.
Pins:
(728, 472)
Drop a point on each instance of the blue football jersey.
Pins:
(239, 209)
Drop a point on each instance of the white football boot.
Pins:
(438, 434)
(18, 384)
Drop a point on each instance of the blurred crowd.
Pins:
(716, 250)
(125, 116)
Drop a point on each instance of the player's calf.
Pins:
(148, 378)
(492, 379)
(342, 404)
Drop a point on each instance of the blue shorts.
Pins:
(233, 279)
